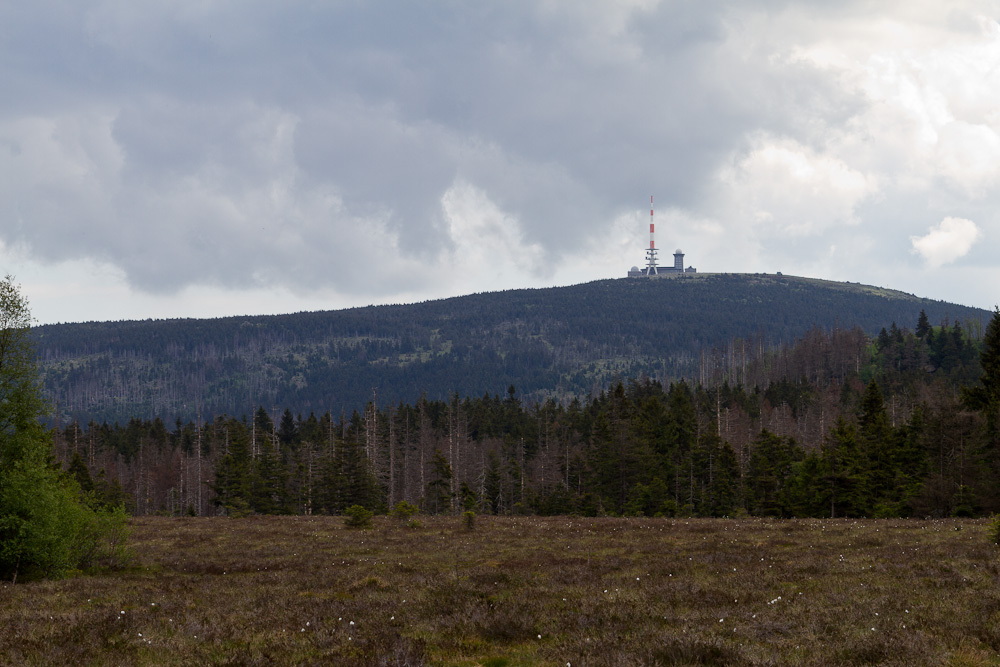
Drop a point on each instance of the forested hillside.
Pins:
(561, 342)
(839, 424)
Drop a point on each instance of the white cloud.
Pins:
(786, 188)
(966, 158)
(488, 244)
(952, 239)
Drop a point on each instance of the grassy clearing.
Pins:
(523, 591)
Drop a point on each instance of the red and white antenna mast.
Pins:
(651, 253)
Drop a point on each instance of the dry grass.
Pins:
(523, 591)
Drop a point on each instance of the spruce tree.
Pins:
(807, 493)
(234, 478)
(269, 482)
(287, 432)
(923, 325)
(987, 393)
(876, 444)
(437, 495)
(985, 397)
(772, 462)
(843, 472)
(883, 340)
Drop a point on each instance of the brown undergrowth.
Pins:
(523, 591)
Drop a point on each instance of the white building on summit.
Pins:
(651, 269)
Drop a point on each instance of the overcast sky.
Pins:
(201, 159)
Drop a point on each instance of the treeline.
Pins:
(838, 424)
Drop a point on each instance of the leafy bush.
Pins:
(46, 530)
(469, 519)
(40, 522)
(357, 516)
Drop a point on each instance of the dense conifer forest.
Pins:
(839, 423)
(561, 343)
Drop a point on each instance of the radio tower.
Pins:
(651, 253)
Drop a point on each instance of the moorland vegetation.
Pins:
(517, 591)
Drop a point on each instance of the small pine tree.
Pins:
(357, 516)
(404, 511)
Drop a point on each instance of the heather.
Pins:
(523, 591)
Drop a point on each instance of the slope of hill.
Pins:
(560, 342)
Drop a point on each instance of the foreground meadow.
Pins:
(522, 591)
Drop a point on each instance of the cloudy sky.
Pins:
(198, 159)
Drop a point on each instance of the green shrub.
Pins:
(43, 525)
(103, 540)
(404, 511)
(47, 531)
(113, 551)
(237, 508)
(357, 516)
(469, 519)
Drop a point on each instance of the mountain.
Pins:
(560, 342)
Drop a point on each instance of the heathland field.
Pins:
(522, 591)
